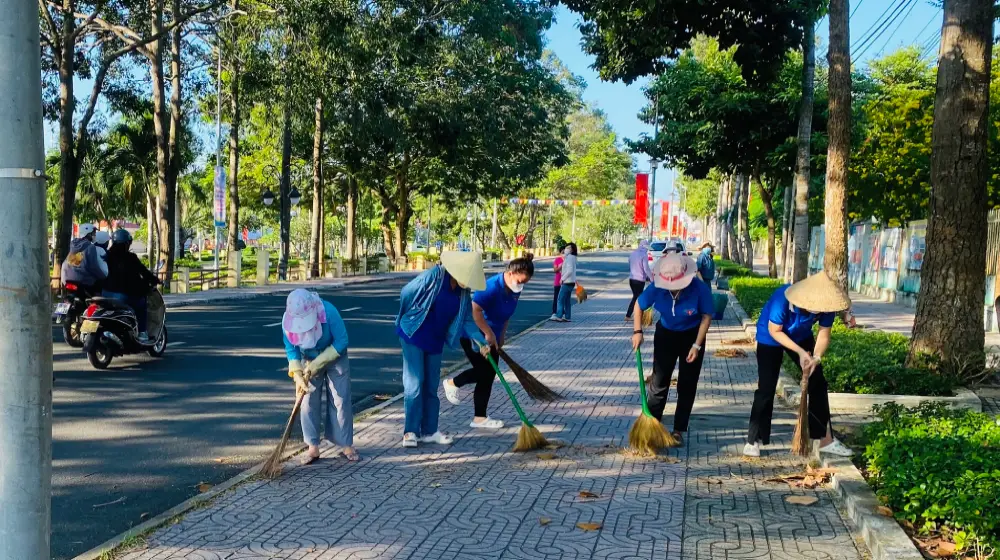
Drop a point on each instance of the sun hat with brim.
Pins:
(819, 294)
(674, 271)
(303, 310)
(466, 267)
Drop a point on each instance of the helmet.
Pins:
(122, 236)
(102, 238)
(86, 229)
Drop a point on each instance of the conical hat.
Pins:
(819, 294)
(466, 267)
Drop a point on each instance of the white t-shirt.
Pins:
(569, 269)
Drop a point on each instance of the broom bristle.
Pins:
(529, 438)
(532, 386)
(272, 466)
(800, 439)
(648, 435)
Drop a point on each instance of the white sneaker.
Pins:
(837, 448)
(489, 424)
(439, 438)
(554, 318)
(751, 449)
(409, 439)
(452, 392)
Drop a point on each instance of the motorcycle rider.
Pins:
(102, 239)
(83, 263)
(128, 279)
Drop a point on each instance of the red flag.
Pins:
(675, 227)
(641, 199)
(684, 234)
(664, 215)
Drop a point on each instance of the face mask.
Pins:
(514, 285)
(567, 252)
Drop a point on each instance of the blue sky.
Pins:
(915, 22)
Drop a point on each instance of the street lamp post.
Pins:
(653, 163)
(288, 197)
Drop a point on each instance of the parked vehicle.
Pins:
(109, 329)
(661, 247)
(69, 312)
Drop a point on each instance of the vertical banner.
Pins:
(664, 215)
(641, 199)
(220, 196)
(675, 229)
(684, 233)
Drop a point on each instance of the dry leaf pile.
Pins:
(730, 353)
(809, 479)
(738, 342)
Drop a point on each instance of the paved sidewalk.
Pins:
(477, 499)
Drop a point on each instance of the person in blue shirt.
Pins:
(706, 264)
(435, 308)
(492, 309)
(685, 306)
(315, 340)
(785, 326)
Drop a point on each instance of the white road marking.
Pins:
(352, 309)
(273, 324)
(178, 343)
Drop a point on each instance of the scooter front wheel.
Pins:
(99, 355)
(160, 346)
(71, 333)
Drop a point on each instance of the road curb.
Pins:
(106, 550)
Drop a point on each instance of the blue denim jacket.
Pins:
(334, 334)
(415, 303)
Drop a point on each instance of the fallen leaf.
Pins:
(737, 342)
(946, 548)
(220, 459)
(546, 456)
(436, 485)
(143, 515)
(543, 521)
(668, 459)
(555, 445)
(730, 353)
(479, 489)
(882, 510)
(802, 500)
(589, 526)
(204, 486)
(585, 494)
(382, 397)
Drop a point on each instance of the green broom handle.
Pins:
(642, 383)
(510, 393)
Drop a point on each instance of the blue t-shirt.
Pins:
(706, 266)
(796, 323)
(498, 303)
(683, 314)
(433, 331)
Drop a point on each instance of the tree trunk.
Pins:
(746, 242)
(786, 231)
(69, 162)
(402, 227)
(152, 224)
(234, 156)
(168, 200)
(838, 155)
(315, 240)
(767, 198)
(352, 216)
(800, 264)
(949, 315)
(387, 234)
(719, 206)
(724, 250)
(733, 205)
(161, 126)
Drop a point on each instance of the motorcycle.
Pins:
(110, 329)
(69, 312)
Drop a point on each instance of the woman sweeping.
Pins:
(567, 288)
(435, 308)
(316, 345)
(492, 309)
(785, 327)
(685, 306)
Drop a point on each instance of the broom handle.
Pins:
(642, 383)
(510, 393)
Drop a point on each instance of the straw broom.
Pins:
(272, 466)
(647, 435)
(581, 293)
(528, 437)
(532, 386)
(801, 444)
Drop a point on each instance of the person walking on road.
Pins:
(492, 309)
(557, 268)
(785, 327)
(638, 274)
(315, 340)
(706, 264)
(435, 308)
(567, 286)
(685, 306)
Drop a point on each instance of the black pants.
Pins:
(768, 365)
(668, 348)
(555, 298)
(481, 373)
(637, 287)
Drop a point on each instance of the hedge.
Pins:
(938, 470)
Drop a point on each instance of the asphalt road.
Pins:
(139, 438)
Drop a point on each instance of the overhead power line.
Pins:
(870, 41)
(898, 25)
(878, 21)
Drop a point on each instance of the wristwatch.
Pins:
(696, 347)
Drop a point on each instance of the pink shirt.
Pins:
(556, 263)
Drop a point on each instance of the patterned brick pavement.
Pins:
(477, 499)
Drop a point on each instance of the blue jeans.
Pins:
(421, 379)
(337, 417)
(138, 304)
(564, 307)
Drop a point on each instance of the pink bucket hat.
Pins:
(674, 271)
(304, 311)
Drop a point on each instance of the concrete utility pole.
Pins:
(25, 301)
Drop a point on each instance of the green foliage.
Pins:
(753, 292)
(937, 468)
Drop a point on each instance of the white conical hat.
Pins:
(466, 267)
(819, 294)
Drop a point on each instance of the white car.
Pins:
(659, 248)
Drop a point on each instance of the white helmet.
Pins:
(102, 238)
(86, 229)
